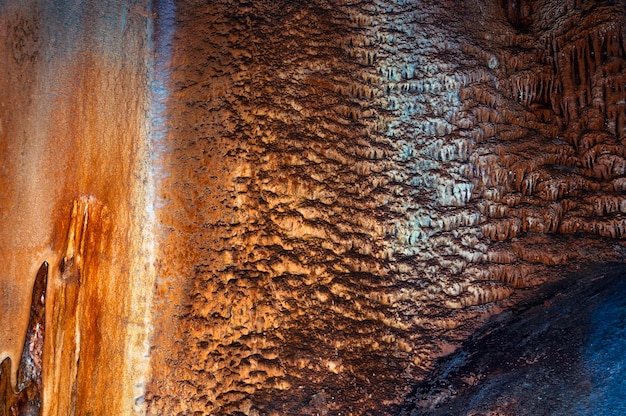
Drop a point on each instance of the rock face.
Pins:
(559, 355)
(300, 206)
(74, 185)
(353, 186)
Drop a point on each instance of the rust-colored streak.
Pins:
(74, 133)
(22, 237)
(66, 336)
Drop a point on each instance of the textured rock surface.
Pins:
(343, 191)
(353, 186)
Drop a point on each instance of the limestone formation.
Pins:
(353, 186)
(285, 207)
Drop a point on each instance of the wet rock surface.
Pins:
(560, 354)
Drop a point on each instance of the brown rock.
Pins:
(246, 204)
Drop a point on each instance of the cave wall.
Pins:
(355, 187)
(297, 207)
(74, 182)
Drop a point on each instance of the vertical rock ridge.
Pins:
(73, 129)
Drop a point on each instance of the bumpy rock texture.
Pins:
(320, 197)
(353, 187)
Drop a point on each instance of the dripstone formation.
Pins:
(354, 187)
(303, 207)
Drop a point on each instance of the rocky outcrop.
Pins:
(26, 398)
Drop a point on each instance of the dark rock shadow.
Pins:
(564, 353)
